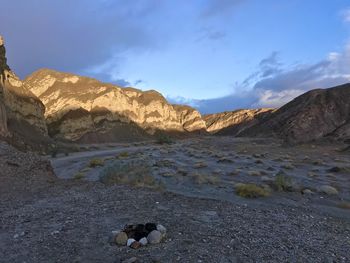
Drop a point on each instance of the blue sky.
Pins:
(213, 54)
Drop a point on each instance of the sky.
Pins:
(215, 55)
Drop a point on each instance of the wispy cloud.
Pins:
(216, 8)
(73, 35)
(346, 15)
(273, 84)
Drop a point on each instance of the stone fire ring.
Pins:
(136, 236)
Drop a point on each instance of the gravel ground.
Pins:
(44, 219)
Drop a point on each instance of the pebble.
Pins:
(161, 229)
(143, 241)
(307, 192)
(130, 241)
(135, 245)
(154, 237)
(327, 189)
(121, 238)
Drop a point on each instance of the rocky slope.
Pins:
(21, 112)
(234, 122)
(79, 108)
(317, 114)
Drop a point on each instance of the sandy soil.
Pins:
(45, 219)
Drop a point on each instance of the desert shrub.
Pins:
(164, 139)
(251, 191)
(206, 179)
(123, 155)
(96, 162)
(283, 183)
(79, 176)
(133, 174)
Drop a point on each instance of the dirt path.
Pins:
(66, 167)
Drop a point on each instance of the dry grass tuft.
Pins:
(79, 176)
(206, 179)
(251, 191)
(123, 155)
(283, 183)
(96, 162)
(133, 174)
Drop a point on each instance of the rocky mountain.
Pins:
(234, 122)
(22, 119)
(84, 109)
(317, 114)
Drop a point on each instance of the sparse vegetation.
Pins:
(251, 191)
(206, 179)
(163, 138)
(283, 183)
(133, 174)
(123, 155)
(79, 176)
(96, 162)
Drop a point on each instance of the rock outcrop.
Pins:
(234, 122)
(79, 108)
(22, 119)
(190, 119)
(317, 114)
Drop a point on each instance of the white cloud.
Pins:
(346, 15)
(278, 84)
(275, 99)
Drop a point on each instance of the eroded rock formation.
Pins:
(21, 112)
(234, 122)
(79, 107)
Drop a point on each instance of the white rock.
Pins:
(143, 241)
(161, 229)
(307, 192)
(154, 237)
(329, 190)
(130, 241)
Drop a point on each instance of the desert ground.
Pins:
(222, 199)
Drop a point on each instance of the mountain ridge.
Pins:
(100, 102)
